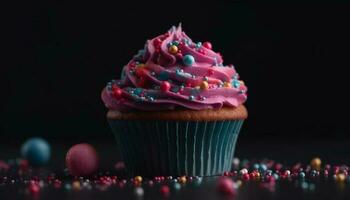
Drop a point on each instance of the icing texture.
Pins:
(173, 72)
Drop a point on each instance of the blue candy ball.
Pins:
(188, 60)
(36, 151)
(262, 167)
(163, 76)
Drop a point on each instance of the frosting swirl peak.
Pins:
(174, 72)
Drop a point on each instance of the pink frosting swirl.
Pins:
(173, 72)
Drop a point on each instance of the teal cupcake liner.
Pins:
(193, 148)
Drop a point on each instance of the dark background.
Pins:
(57, 57)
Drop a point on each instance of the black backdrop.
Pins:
(57, 58)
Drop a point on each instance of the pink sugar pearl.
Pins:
(225, 186)
(82, 160)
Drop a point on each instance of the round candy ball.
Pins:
(204, 85)
(165, 86)
(207, 45)
(82, 160)
(37, 151)
(173, 49)
(225, 186)
(188, 60)
(316, 163)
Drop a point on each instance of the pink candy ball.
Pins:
(225, 186)
(165, 86)
(82, 160)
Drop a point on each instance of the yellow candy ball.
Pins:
(204, 85)
(173, 49)
(340, 177)
(76, 185)
(316, 163)
(182, 179)
(257, 174)
(227, 84)
(138, 179)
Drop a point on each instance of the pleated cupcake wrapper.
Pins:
(194, 148)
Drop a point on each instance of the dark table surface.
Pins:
(288, 152)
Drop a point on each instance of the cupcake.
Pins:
(177, 109)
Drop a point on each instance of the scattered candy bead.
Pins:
(165, 191)
(262, 167)
(150, 183)
(340, 177)
(225, 186)
(82, 160)
(267, 173)
(246, 176)
(68, 186)
(182, 179)
(37, 151)
(34, 188)
(177, 186)
(204, 85)
(188, 60)
(256, 166)
(138, 179)
(227, 84)
(316, 163)
(76, 185)
(139, 191)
